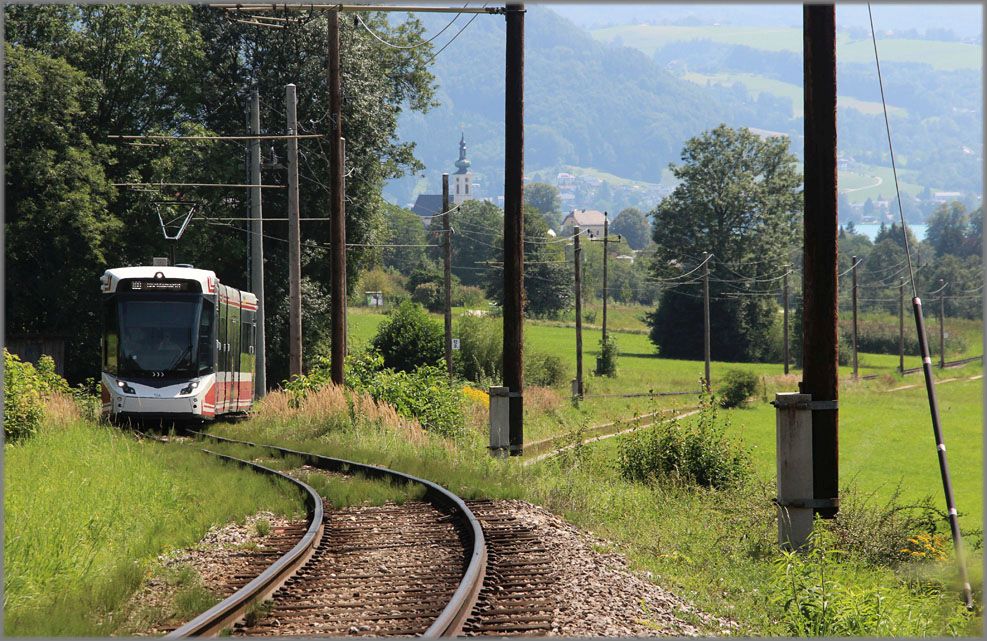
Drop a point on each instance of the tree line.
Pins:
(78, 74)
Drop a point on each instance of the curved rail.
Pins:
(450, 621)
(227, 612)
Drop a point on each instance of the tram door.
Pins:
(222, 364)
(234, 355)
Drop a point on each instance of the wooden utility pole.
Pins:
(901, 325)
(853, 270)
(514, 225)
(820, 343)
(337, 209)
(784, 295)
(447, 270)
(606, 260)
(294, 242)
(942, 325)
(577, 254)
(257, 249)
(706, 331)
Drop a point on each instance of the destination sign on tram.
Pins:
(159, 285)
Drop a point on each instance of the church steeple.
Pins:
(462, 165)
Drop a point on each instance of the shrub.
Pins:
(425, 394)
(695, 452)
(49, 381)
(821, 595)
(409, 339)
(606, 363)
(23, 403)
(390, 284)
(469, 297)
(480, 355)
(480, 348)
(738, 386)
(892, 533)
(543, 369)
(430, 296)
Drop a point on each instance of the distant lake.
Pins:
(871, 230)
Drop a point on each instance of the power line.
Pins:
(164, 184)
(407, 47)
(212, 138)
(436, 54)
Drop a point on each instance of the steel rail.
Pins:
(231, 609)
(450, 621)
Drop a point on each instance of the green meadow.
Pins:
(757, 84)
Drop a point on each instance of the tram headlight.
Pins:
(188, 389)
(125, 386)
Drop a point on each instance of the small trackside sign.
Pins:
(455, 343)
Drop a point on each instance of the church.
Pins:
(461, 187)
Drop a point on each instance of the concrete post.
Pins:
(794, 455)
(500, 421)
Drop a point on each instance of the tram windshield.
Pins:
(166, 336)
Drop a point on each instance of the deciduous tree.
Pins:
(738, 198)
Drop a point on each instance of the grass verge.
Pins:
(87, 511)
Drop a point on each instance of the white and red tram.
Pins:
(176, 344)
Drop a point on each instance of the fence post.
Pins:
(794, 458)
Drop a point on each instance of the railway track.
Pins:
(301, 546)
(395, 570)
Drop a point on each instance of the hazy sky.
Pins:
(965, 20)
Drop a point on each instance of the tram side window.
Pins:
(205, 359)
(111, 338)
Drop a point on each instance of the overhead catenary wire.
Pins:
(453, 39)
(220, 223)
(412, 46)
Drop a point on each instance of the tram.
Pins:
(177, 345)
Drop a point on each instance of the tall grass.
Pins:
(714, 547)
(87, 509)
(718, 549)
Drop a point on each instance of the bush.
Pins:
(606, 363)
(426, 394)
(544, 370)
(23, 403)
(409, 339)
(469, 297)
(389, 283)
(738, 386)
(480, 355)
(697, 452)
(480, 349)
(430, 296)
(821, 594)
(27, 390)
(892, 533)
